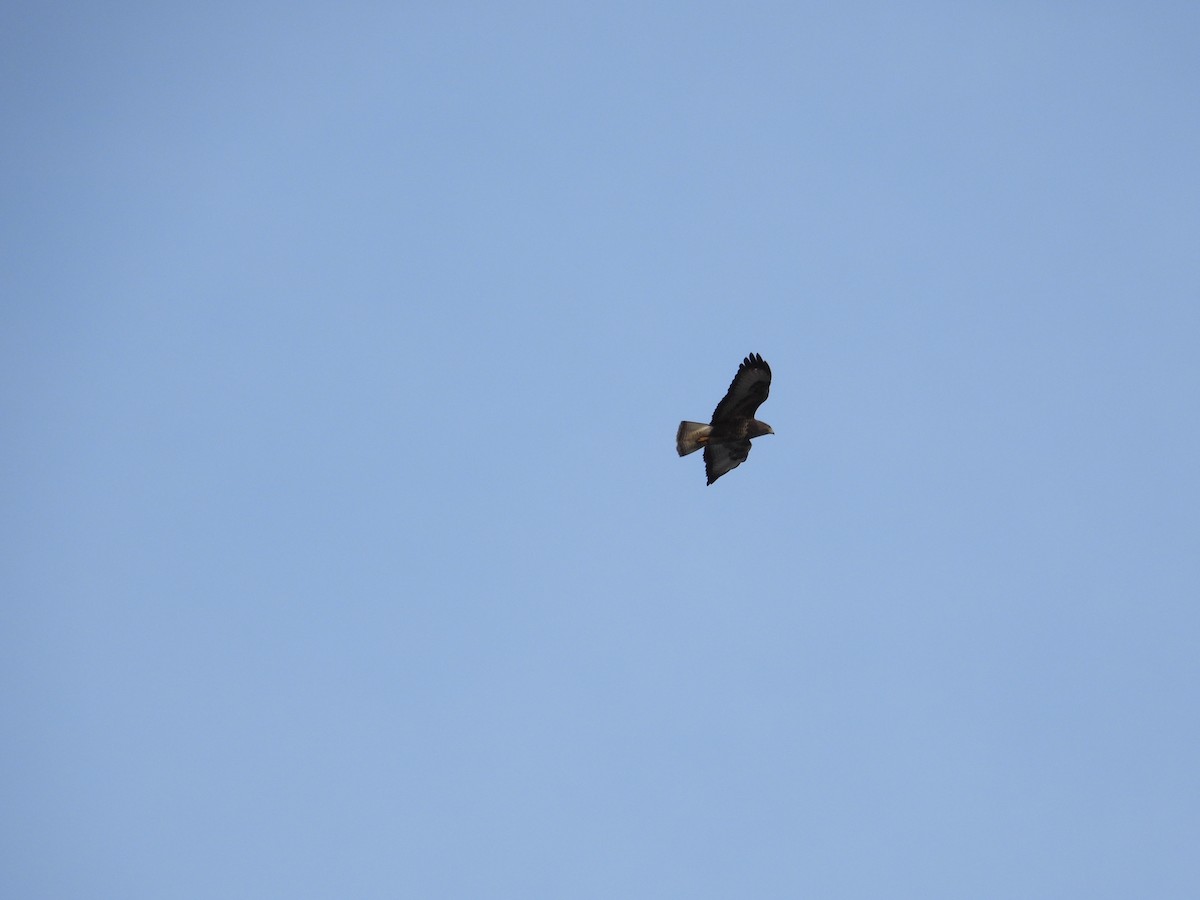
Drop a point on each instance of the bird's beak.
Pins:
(770, 430)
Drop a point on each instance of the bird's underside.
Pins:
(726, 439)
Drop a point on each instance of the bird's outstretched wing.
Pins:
(720, 458)
(746, 393)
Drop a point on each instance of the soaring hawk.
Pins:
(726, 440)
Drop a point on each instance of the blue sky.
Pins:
(345, 548)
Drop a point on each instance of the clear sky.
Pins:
(345, 549)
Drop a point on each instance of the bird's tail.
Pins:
(691, 437)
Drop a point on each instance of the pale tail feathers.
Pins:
(691, 437)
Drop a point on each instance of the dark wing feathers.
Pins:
(746, 393)
(720, 458)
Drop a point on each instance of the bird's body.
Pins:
(726, 439)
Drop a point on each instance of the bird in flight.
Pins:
(726, 440)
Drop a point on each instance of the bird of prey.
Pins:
(726, 440)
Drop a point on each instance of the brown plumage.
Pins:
(726, 440)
